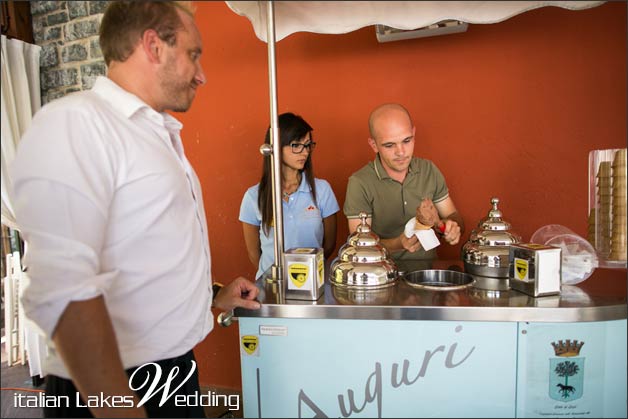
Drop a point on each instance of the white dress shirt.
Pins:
(109, 205)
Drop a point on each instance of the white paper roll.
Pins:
(426, 237)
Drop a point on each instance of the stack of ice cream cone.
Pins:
(618, 214)
(591, 227)
(604, 196)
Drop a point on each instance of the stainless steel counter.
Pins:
(601, 297)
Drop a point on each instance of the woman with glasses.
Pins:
(309, 204)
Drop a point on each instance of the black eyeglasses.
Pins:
(297, 148)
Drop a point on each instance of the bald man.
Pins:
(391, 188)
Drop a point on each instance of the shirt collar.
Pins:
(379, 168)
(304, 186)
(383, 174)
(413, 167)
(129, 104)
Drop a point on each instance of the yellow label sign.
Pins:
(249, 343)
(521, 267)
(320, 271)
(298, 274)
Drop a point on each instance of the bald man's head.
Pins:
(385, 113)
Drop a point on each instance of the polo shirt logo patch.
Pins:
(311, 211)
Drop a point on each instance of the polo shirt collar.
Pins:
(379, 168)
(304, 186)
(413, 167)
(383, 174)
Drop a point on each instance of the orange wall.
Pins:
(509, 110)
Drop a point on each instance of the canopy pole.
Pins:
(277, 268)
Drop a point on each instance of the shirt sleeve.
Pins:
(441, 191)
(62, 183)
(249, 209)
(327, 202)
(357, 199)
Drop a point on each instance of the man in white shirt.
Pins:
(113, 217)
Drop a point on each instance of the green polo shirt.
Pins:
(391, 204)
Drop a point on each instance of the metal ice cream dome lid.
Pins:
(494, 220)
(494, 230)
(487, 251)
(362, 262)
(363, 235)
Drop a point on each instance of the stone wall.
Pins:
(71, 58)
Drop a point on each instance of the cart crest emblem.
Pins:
(250, 343)
(566, 379)
(521, 267)
(298, 273)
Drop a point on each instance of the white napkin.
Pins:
(426, 237)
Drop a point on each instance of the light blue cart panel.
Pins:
(377, 368)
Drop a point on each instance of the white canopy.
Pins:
(335, 17)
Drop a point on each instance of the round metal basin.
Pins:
(500, 272)
(490, 283)
(363, 275)
(351, 295)
(438, 279)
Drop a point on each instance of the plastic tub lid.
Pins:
(579, 258)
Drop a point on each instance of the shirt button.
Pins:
(405, 203)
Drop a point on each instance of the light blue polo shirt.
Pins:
(302, 219)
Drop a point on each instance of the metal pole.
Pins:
(277, 268)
